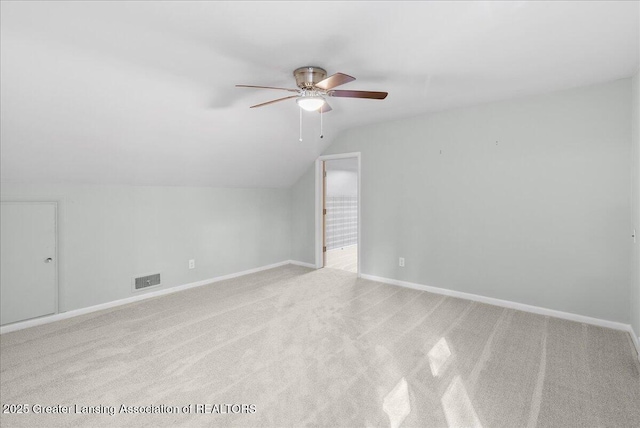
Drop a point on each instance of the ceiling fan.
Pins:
(313, 88)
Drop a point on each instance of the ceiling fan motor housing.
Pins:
(307, 77)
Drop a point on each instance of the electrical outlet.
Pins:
(192, 264)
(401, 262)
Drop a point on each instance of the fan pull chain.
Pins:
(321, 133)
(300, 108)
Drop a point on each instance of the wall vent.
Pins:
(146, 281)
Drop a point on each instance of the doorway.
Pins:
(339, 212)
(28, 261)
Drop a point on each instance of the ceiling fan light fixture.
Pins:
(310, 103)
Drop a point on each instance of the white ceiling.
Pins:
(143, 92)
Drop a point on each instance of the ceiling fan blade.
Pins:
(334, 81)
(358, 94)
(267, 87)
(325, 108)
(273, 101)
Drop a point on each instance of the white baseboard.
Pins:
(77, 312)
(303, 264)
(507, 304)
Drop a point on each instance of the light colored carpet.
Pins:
(343, 258)
(322, 348)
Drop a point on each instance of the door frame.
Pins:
(319, 206)
(56, 250)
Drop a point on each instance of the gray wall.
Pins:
(303, 218)
(635, 253)
(342, 183)
(524, 200)
(108, 234)
(540, 217)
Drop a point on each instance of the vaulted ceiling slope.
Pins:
(143, 92)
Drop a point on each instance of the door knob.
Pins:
(48, 260)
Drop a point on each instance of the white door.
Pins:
(28, 285)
